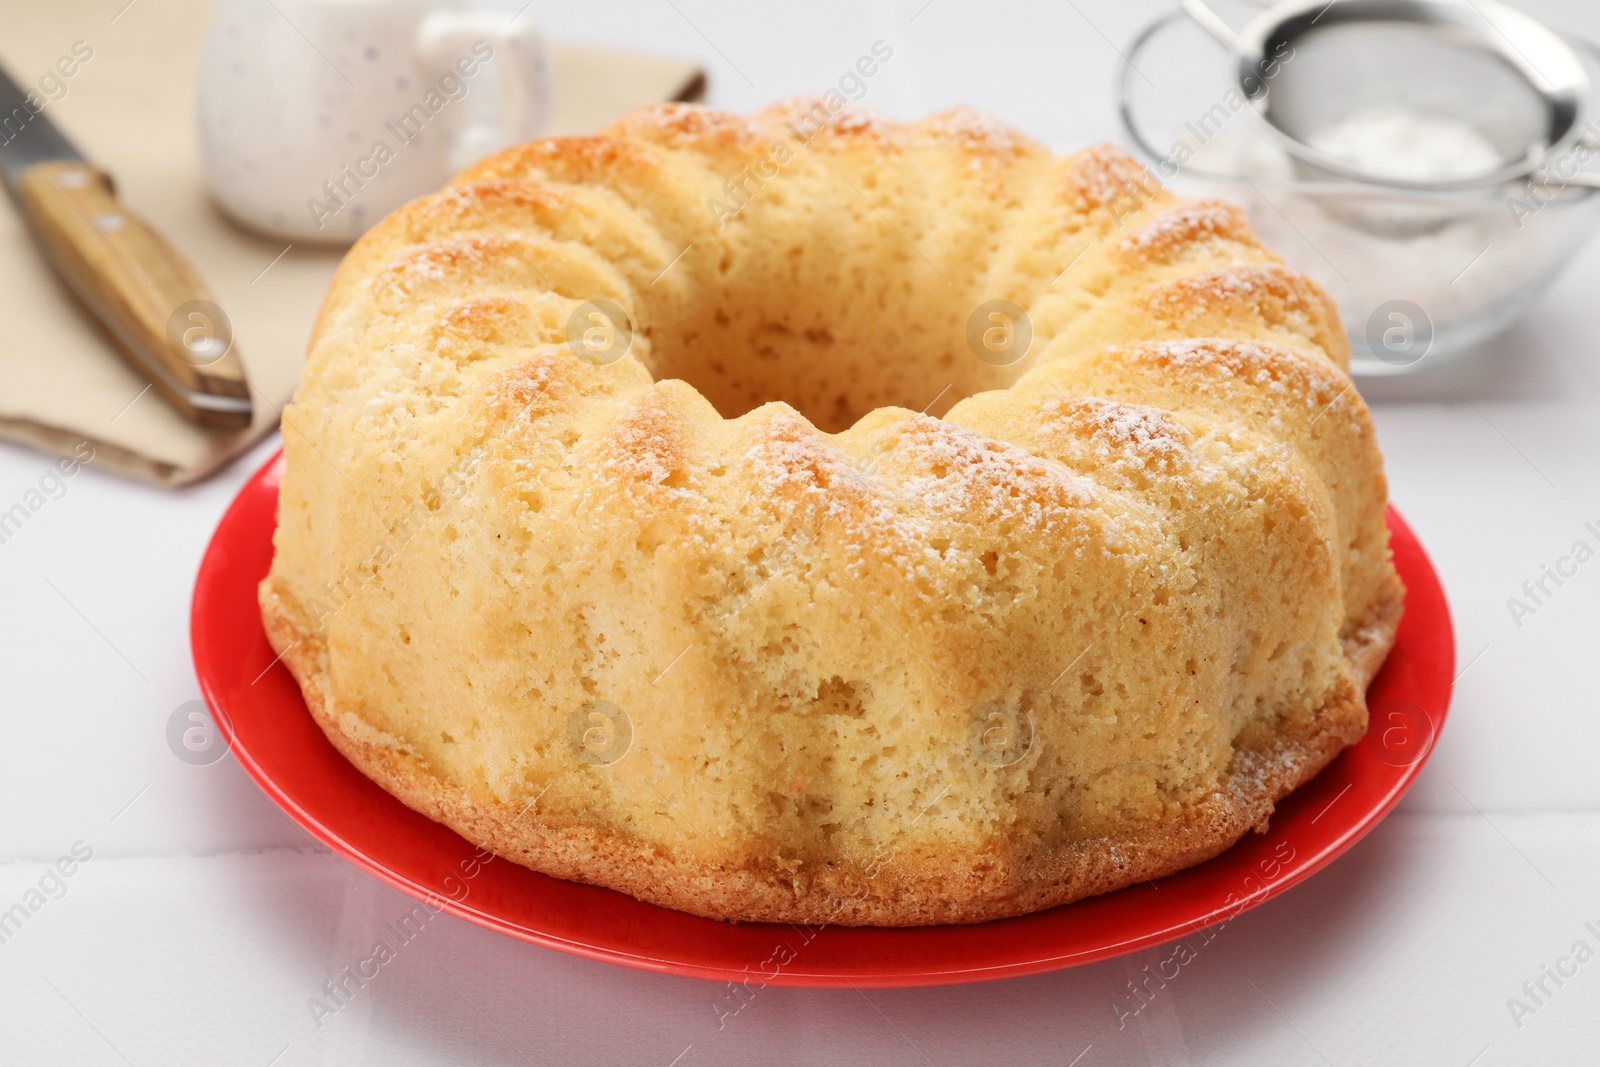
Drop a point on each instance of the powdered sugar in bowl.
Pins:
(1425, 260)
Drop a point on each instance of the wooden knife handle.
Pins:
(145, 294)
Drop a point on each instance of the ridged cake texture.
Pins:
(798, 609)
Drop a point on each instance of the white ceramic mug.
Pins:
(319, 117)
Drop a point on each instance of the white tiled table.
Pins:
(205, 920)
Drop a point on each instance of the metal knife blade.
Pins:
(141, 290)
(26, 136)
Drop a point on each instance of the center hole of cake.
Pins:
(837, 351)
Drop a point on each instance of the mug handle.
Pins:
(462, 43)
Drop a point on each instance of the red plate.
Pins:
(259, 710)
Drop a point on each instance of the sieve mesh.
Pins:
(1421, 93)
(1342, 72)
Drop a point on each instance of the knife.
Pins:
(146, 295)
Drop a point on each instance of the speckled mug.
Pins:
(319, 117)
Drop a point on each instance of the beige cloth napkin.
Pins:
(130, 109)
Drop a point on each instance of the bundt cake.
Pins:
(816, 517)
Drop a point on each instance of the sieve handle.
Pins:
(1211, 22)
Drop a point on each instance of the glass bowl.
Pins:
(1420, 278)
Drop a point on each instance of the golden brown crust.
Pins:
(893, 890)
(1158, 539)
(1367, 641)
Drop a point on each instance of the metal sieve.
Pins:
(1308, 66)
